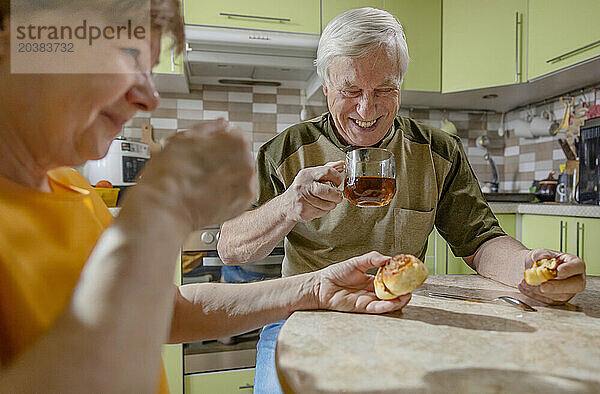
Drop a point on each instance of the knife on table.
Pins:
(508, 299)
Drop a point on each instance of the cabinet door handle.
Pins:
(573, 52)
(561, 235)
(517, 25)
(446, 258)
(579, 239)
(172, 60)
(248, 386)
(267, 18)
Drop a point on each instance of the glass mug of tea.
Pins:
(370, 177)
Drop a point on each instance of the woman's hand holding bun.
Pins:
(399, 276)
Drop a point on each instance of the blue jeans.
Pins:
(237, 274)
(265, 374)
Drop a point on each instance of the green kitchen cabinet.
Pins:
(543, 231)
(582, 239)
(508, 223)
(168, 63)
(483, 43)
(331, 8)
(440, 260)
(172, 355)
(561, 34)
(226, 382)
(578, 236)
(282, 15)
(422, 23)
(431, 255)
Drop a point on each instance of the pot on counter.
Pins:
(546, 189)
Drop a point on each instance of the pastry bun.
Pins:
(541, 271)
(400, 275)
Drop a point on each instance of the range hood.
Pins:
(227, 56)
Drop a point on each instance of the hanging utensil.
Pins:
(567, 149)
(564, 125)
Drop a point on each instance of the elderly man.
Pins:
(361, 60)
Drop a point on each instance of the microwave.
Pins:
(121, 165)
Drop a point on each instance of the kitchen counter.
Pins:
(588, 211)
(445, 346)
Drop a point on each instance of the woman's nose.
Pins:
(143, 94)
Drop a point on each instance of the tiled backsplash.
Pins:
(262, 112)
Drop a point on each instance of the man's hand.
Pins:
(203, 176)
(347, 287)
(314, 192)
(569, 281)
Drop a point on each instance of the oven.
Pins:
(200, 264)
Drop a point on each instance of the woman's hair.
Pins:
(165, 15)
(357, 32)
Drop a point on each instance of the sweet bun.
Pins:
(400, 275)
(541, 271)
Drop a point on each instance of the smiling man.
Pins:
(361, 60)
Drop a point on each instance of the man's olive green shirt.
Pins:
(435, 185)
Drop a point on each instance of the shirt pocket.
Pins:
(412, 228)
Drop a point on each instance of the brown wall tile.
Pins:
(215, 105)
(264, 98)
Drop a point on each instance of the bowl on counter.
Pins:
(546, 189)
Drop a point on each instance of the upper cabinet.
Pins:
(169, 62)
(281, 15)
(561, 34)
(422, 25)
(332, 8)
(483, 43)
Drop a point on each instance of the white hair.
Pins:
(357, 32)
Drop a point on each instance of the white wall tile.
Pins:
(499, 160)
(545, 165)
(542, 174)
(528, 166)
(527, 157)
(245, 126)
(163, 123)
(283, 126)
(558, 154)
(210, 115)
(240, 97)
(264, 89)
(190, 104)
(135, 133)
(475, 151)
(190, 114)
(264, 108)
(511, 151)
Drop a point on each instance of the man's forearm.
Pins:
(253, 235)
(208, 311)
(502, 259)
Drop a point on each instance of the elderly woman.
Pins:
(86, 303)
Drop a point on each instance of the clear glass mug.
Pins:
(370, 177)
